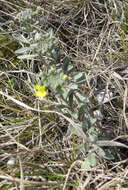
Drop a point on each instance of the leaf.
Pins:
(111, 143)
(27, 56)
(87, 124)
(55, 80)
(65, 65)
(74, 131)
(70, 69)
(80, 78)
(93, 160)
(23, 50)
(50, 31)
(100, 151)
(81, 112)
(67, 115)
(83, 148)
(73, 86)
(44, 47)
(85, 164)
(92, 131)
(109, 155)
(93, 134)
(82, 97)
(70, 97)
(37, 36)
(34, 45)
(89, 162)
(61, 106)
(92, 121)
(55, 54)
(75, 115)
(24, 15)
(65, 95)
(20, 38)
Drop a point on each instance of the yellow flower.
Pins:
(62, 90)
(40, 91)
(64, 77)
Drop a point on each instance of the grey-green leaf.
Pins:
(70, 98)
(82, 97)
(89, 162)
(23, 50)
(80, 77)
(100, 151)
(74, 131)
(21, 38)
(81, 112)
(73, 86)
(27, 56)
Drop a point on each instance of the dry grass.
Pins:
(92, 33)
